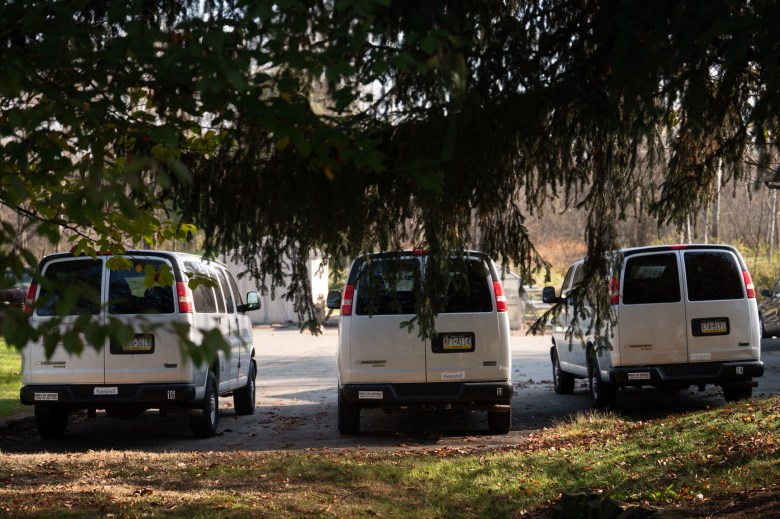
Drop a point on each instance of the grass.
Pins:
(10, 382)
(686, 460)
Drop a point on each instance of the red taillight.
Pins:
(185, 297)
(751, 290)
(501, 305)
(614, 290)
(678, 247)
(30, 299)
(346, 300)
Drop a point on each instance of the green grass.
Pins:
(10, 382)
(688, 460)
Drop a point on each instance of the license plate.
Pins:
(457, 342)
(139, 344)
(713, 326)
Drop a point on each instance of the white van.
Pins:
(686, 315)
(467, 365)
(151, 370)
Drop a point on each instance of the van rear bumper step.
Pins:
(692, 374)
(97, 395)
(494, 396)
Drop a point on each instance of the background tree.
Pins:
(434, 112)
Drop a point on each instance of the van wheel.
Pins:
(737, 393)
(205, 426)
(563, 381)
(349, 416)
(51, 420)
(244, 398)
(602, 394)
(499, 423)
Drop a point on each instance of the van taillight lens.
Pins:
(30, 299)
(346, 300)
(751, 290)
(614, 290)
(501, 305)
(185, 297)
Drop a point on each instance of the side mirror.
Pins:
(548, 296)
(252, 303)
(766, 293)
(334, 300)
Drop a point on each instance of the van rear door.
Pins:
(719, 323)
(152, 353)
(62, 367)
(384, 298)
(652, 318)
(467, 346)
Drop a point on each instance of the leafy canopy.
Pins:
(347, 126)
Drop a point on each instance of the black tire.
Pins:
(563, 381)
(498, 422)
(244, 398)
(51, 420)
(602, 394)
(762, 328)
(349, 416)
(737, 393)
(205, 426)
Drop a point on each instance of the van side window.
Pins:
(713, 275)
(223, 283)
(87, 274)
(203, 297)
(469, 292)
(653, 278)
(566, 286)
(234, 286)
(128, 295)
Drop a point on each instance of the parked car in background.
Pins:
(769, 312)
(382, 364)
(14, 288)
(149, 370)
(686, 315)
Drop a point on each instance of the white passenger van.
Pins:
(467, 365)
(149, 370)
(686, 315)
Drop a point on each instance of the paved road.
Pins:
(296, 400)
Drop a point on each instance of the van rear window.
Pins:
(388, 288)
(127, 293)
(713, 275)
(652, 278)
(84, 274)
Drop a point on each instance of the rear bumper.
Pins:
(494, 396)
(88, 395)
(721, 373)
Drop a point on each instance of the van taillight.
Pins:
(614, 290)
(346, 300)
(30, 299)
(185, 297)
(751, 290)
(501, 305)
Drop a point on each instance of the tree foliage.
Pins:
(357, 125)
